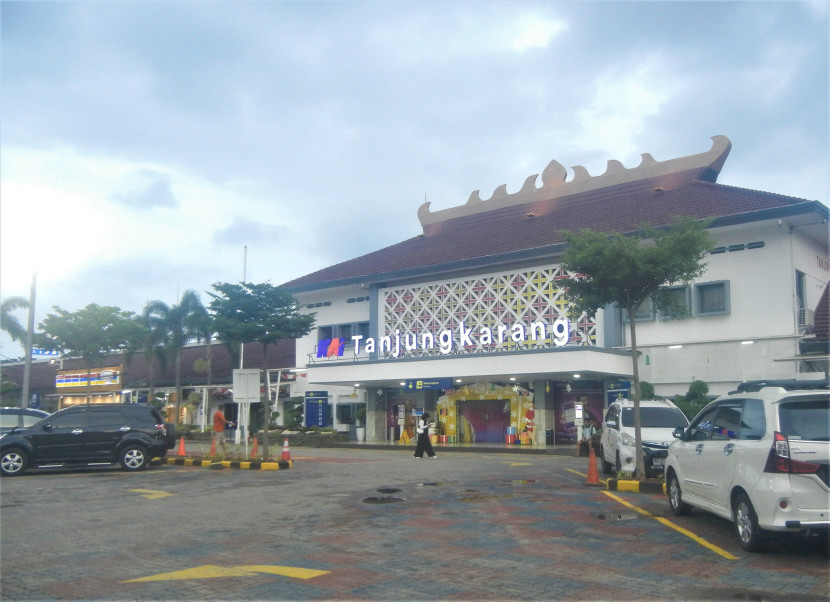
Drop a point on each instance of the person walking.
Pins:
(219, 423)
(424, 444)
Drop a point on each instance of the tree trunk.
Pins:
(178, 385)
(88, 384)
(266, 413)
(640, 471)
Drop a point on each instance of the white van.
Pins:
(658, 419)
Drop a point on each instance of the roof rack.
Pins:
(790, 384)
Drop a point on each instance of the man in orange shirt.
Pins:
(219, 423)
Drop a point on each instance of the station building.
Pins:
(468, 322)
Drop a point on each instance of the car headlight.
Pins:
(628, 440)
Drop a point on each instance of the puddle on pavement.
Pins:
(618, 516)
(437, 484)
(519, 482)
(386, 499)
(389, 490)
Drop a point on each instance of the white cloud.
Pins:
(623, 102)
(535, 32)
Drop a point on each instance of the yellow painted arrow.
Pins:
(212, 571)
(152, 494)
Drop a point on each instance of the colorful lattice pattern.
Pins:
(485, 301)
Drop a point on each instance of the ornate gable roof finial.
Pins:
(554, 184)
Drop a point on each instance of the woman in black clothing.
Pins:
(424, 444)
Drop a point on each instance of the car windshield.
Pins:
(807, 419)
(651, 418)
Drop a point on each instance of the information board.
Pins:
(317, 409)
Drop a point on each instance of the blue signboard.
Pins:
(429, 383)
(317, 409)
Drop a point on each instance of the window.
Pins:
(70, 420)
(646, 312)
(107, 418)
(343, 331)
(753, 420)
(680, 301)
(701, 430)
(728, 422)
(712, 298)
(808, 420)
(655, 417)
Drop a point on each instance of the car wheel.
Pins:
(13, 462)
(134, 457)
(746, 524)
(606, 465)
(678, 506)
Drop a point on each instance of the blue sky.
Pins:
(145, 144)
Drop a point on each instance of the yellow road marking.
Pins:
(677, 528)
(152, 494)
(212, 571)
(518, 463)
(582, 474)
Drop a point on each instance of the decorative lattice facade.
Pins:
(484, 302)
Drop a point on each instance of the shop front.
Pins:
(511, 398)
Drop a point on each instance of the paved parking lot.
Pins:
(377, 525)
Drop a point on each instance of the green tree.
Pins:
(173, 326)
(647, 391)
(8, 321)
(695, 398)
(627, 271)
(90, 333)
(262, 313)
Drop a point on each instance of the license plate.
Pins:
(657, 462)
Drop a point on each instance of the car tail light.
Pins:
(779, 459)
(162, 429)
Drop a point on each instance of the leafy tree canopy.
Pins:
(8, 321)
(89, 333)
(626, 270)
(246, 312)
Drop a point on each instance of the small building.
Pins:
(467, 320)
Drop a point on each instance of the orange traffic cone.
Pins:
(593, 476)
(181, 451)
(286, 453)
(254, 450)
(212, 447)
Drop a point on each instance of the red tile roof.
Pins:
(509, 233)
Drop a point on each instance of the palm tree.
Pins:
(154, 321)
(10, 323)
(178, 324)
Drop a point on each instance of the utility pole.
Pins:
(27, 361)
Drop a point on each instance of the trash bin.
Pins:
(549, 437)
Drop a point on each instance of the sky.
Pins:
(148, 148)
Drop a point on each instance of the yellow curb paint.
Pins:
(628, 486)
(671, 525)
(271, 466)
(211, 571)
(152, 494)
(518, 463)
(244, 465)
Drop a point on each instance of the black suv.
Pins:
(89, 434)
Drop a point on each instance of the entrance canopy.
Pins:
(528, 366)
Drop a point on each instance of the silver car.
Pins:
(759, 457)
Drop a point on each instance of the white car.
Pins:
(759, 457)
(658, 420)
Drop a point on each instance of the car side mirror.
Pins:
(678, 432)
(47, 427)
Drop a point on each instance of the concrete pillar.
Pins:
(543, 417)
